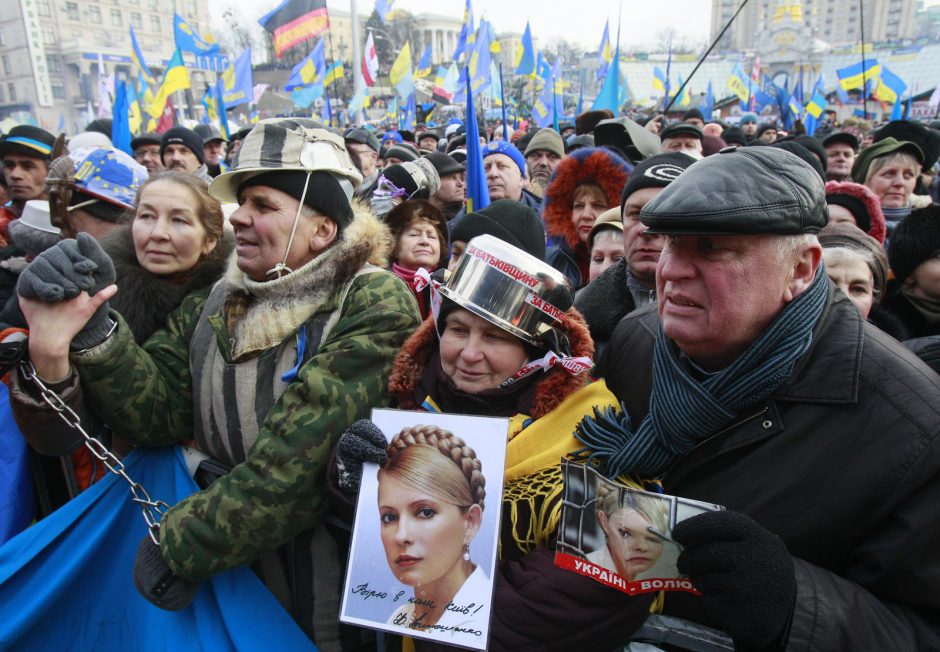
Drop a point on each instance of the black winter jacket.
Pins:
(842, 462)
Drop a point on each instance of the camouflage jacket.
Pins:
(277, 490)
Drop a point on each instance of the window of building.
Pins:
(3, 97)
(48, 35)
(11, 91)
(94, 14)
(71, 9)
(136, 20)
(155, 23)
(6, 65)
(154, 4)
(117, 20)
(53, 63)
(191, 8)
(43, 8)
(3, 39)
(58, 90)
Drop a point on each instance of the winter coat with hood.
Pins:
(269, 509)
(537, 606)
(842, 462)
(593, 165)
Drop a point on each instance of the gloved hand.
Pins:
(744, 572)
(65, 270)
(154, 580)
(362, 442)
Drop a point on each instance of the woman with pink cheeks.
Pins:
(419, 237)
(635, 527)
(431, 493)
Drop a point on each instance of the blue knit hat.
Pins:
(510, 150)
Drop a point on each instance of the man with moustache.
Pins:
(25, 153)
(542, 155)
(181, 150)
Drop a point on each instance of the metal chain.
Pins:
(151, 510)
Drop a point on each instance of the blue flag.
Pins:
(187, 40)
(238, 82)
(609, 97)
(222, 108)
(709, 104)
(526, 63)
(120, 126)
(478, 195)
(66, 582)
(311, 70)
(16, 485)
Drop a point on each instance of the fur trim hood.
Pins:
(145, 299)
(594, 164)
(550, 391)
(878, 229)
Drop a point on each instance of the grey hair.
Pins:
(786, 246)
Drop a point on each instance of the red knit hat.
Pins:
(855, 197)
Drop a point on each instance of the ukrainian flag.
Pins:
(739, 84)
(176, 78)
(856, 75)
(659, 80)
(424, 65)
(334, 73)
(890, 86)
(138, 57)
(525, 64)
(686, 98)
(817, 104)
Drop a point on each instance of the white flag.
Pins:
(370, 62)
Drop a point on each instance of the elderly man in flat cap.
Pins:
(756, 384)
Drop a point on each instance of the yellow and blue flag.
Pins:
(604, 55)
(133, 109)
(858, 74)
(175, 78)
(309, 71)
(659, 80)
(138, 58)
(401, 75)
(817, 104)
(478, 194)
(237, 81)
(479, 65)
(187, 40)
(686, 98)
(890, 86)
(382, 7)
(424, 65)
(334, 73)
(466, 35)
(739, 83)
(525, 62)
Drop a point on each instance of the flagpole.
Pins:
(358, 82)
(705, 56)
(502, 101)
(861, 29)
(329, 36)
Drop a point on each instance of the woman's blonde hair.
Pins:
(610, 498)
(437, 462)
(896, 157)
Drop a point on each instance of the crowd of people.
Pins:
(729, 312)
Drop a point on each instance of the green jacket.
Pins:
(279, 490)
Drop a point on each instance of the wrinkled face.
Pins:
(894, 183)
(478, 355)
(841, 158)
(453, 188)
(925, 280)
(179, 157)
(632, 546)
(607, 251)
(682, 144)
(641, 249)
(717, 294)
(169, 238)
(364, 156)
(419, 245)
(263, 224)
(428, 142)
(503, 177)
(423, 536)
(839, 214)
(149, 157)
(768, 137)
(26, 177)
(587, 204)
(541, 165)
(853, 276)
(213, 151)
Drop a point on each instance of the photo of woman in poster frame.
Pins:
(424, 540)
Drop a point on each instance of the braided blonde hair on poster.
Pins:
(437, 462)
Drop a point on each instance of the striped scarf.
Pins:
(684, 411)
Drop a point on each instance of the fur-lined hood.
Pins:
(551, 390)
(594, 164)
(878, 229)
(145, 299)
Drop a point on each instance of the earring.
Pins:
(466, 552)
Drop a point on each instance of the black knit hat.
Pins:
(915, 239)
(444, 164)
(734, 136)
(402, 151)
(927, 139)
(324, 194)
(508, 220)
(655, 172)
(183, 136)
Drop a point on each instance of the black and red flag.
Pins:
(294, 21)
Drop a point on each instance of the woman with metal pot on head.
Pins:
(504, 341)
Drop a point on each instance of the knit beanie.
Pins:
(816, 147)
(508, 220)
(916, 239)
(548, 140)
(324, 194)
(851, 237)
(419, 178)
(401, 151)
(510, 150)
(185, 137)
(862, 203)
(734, 136)
(655, 172)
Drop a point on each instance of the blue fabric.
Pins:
(16, 489)
(65, 583)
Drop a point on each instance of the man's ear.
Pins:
(324, 234)
(804, 271)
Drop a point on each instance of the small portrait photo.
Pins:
(621, 536)
(424, 541)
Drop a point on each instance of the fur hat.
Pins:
(595, 165)
(862, 203)
(927, 139)
(585, 123)
(915, 239)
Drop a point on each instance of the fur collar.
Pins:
(550, 391)
(265, 313)
(144, 299)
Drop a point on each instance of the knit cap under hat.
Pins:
(915, 240)
(508, 220)
(183, 136)
(656, 172)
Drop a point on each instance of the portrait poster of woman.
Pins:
(620, 536)
(424, 540)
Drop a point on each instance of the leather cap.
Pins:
(744, 191)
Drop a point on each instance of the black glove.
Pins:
(64, 271)
(362, 442)
(154, 580)
(744, 572)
